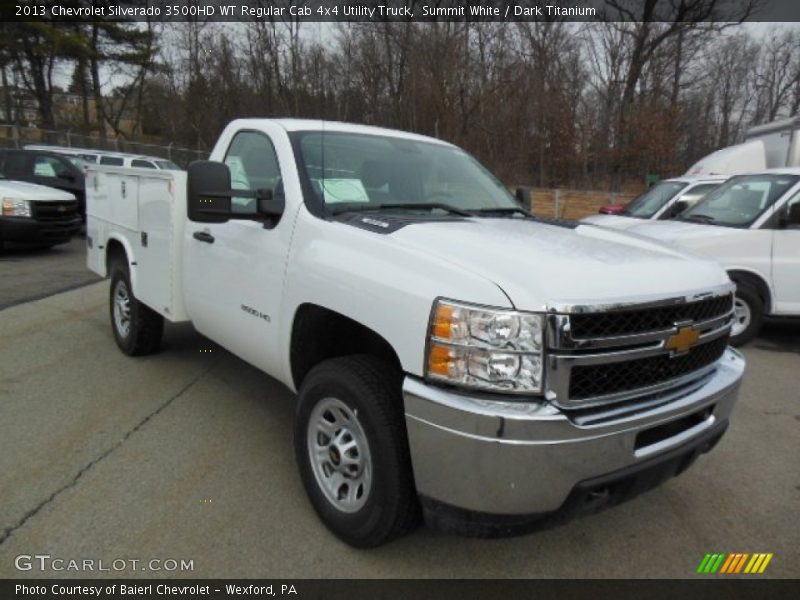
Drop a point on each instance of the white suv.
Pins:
(665, 200)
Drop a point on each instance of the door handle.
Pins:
(203, 236)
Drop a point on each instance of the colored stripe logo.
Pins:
(734, 563)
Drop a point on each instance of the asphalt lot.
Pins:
(187, 455)
(29, 273)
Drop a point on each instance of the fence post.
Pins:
(557, 208)
(169, 151)
(69, 138)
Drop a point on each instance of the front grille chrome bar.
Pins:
(567, 353)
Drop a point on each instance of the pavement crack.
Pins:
(9, 531)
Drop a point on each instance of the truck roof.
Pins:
(338, 126)
(698, 178)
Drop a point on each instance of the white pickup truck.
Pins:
(751, 226)
(36, 214)
(454, 357)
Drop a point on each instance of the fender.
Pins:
(755, 274)
(390, 292)
(129, 253)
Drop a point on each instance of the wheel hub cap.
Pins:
(339, 454)
(741, 316)
(122, 309)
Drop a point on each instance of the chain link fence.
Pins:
(14, 136)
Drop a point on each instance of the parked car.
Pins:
(751, 226)
(115, 159)
(611, 209)
(84, 154)
(666, 199)
(35, 214)
(47, 169)
(450, 351)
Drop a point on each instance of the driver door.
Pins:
(233, 276)
(786, 266)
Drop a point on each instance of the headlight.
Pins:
(15, 207)
(486, 348)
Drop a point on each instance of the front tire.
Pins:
(352, 450)
(748, 311)
(137, 328)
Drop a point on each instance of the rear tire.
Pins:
(748, 311)
(352, 450)
(137, 328)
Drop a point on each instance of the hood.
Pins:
(541, 265)
(727, 245)
(613, 221)
(679, 232)
(32, 191)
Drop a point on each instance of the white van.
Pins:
(751, 225)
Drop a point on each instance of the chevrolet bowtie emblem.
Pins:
(682, 341)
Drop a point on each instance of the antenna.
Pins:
(322, 175)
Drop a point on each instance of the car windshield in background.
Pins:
(649, 203)
(368, 172)
(77, 161)
(167, 165)
(740, 201)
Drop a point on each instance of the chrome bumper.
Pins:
(511, 458)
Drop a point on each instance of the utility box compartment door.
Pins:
(154, 255)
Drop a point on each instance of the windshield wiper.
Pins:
(500, 210)
(359, 207)
(699, 218)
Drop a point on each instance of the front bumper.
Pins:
(30, 231)
(514, 460)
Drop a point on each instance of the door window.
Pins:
(143, 164)
(253, 165)
(113, 161)
(47, 166)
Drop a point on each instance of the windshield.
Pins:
(649, 203)
(741, 200)
(348, 171)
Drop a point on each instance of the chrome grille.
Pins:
(627, 322)
(630, 353)
(588, 381)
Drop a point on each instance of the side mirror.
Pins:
(676, 209)
(270, 204)
(208, 187)
(209, 196)
(523, 196)
(790, 215)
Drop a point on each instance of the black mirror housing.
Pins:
(676, 209)
(269, 204)
(209, 196)
(523, 195)
(793, 214)
(208, 186)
